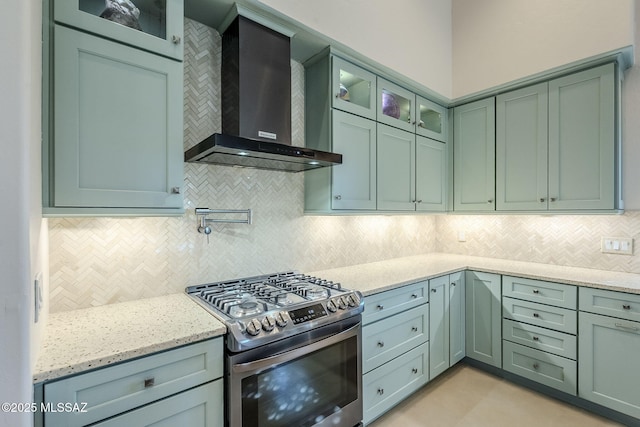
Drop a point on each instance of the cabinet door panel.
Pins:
(438, 326)
(609, 369)
(431, 175)
(582, 140)
(396, 106)
(474, 156)
(432, 120)
(396, 169)
(484, 313)
(521, 149)
(118, 133)
(353, 89)
(456, 317)
(547, 316)
(354, 181)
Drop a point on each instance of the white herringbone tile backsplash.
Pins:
(96, 261)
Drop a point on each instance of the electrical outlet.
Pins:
(462, 237)
(617, 245)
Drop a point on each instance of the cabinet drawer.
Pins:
(610, 303)
(384, 387)
(382, 341)
(548, 369)
(559, 319)
(388, 303)
(198, 407)
(116, 389)
(558, 343)
(557, 294)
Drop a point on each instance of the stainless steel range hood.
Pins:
(256, 105)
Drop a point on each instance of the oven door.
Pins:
(311, 379)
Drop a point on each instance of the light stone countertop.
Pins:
(86, 339)
(379, 276)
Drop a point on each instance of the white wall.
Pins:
(412, 37)
(498, 41)
(22, 245)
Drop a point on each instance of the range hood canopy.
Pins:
(256, 105)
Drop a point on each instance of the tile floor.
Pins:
(468, 397)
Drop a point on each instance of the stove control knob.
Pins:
(268, 323)
(342, 303)
(351, 300)
(281, 320)
(331, 306)
(254, 327)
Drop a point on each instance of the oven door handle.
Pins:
(279, 358)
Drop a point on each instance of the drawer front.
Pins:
(610, 303)
(198, 407)
(383, 341)
(556, 318)
(544, 368)
(395, 301)
(558, 343)
(557, 294)
(116, 389)
(384, 387)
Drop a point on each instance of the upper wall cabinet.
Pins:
(474, 156)
(396, 106)
(353, 88)
(432, 120)
(556, 142)
(155, 25)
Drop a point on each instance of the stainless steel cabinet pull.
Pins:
(338, 197)
(536, 291)
(419, 201)
(453, 283)
(380, 391)
(149, 382)
(630, 328)
(175, 190)
(542, 199)
(536, 315)
(414, 370)
(414, 296)
(414, 329)
(552, 199)
(626, 306)
(434, 290)
(536, 338)
(176, 39)
(536, 366)
(489, 201)
(380, 344)
(380, 307)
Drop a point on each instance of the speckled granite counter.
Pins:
(85, 339)
(375, 277)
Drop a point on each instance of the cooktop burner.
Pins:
(261, 309)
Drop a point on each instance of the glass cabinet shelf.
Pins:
(153, 25)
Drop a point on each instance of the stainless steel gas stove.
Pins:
(262, 309)
(293, 350)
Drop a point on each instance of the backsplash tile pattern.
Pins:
(95, 261)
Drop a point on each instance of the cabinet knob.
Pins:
(453, 283)
(414, 296)
(536, 315)
(536, 366)
(414, 329)
(414, 370)
(380, 307)
(626, 306)
(418, 201)
(536, 291)
(149, 382)
(338, 197)
(176, 39)
(175, 190)
(536, 338)
(552, 199)
(380, 391)
(434, 290)
(490, 201)
(542, 199)
(380, 344)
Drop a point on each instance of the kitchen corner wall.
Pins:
(96, 261)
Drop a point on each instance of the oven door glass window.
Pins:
(305, 391)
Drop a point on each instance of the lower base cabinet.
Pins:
(483, 317)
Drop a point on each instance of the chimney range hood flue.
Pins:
(256, 105)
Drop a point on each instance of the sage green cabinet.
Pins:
(117, 140)
(353, 88)
(353, 184)
(521, 149)
(160, 21)
(555, 144)
(446, 323)
(396, 106)
(609, 369)
(483, 317)
(432, 120)
(474, 156)
(582, 140)
(411, 171)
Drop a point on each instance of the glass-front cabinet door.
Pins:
(354, 89)
(396, 106)
(153, 25)
(432, 120)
